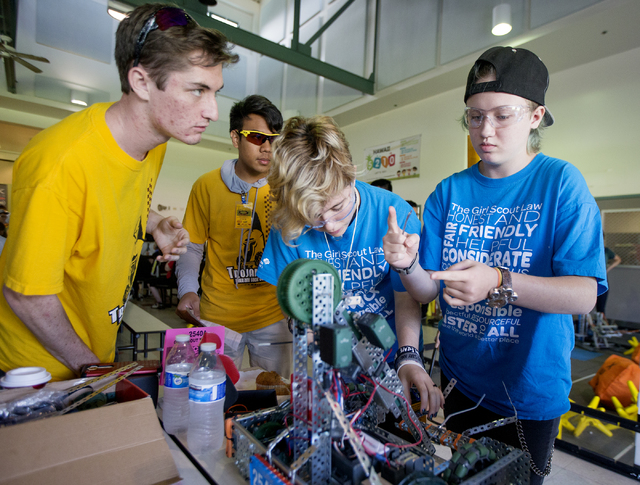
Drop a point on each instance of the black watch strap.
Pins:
(409, 269)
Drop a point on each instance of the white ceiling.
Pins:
(83, 35)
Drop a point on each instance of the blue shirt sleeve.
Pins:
(277, 255)
(578, 242)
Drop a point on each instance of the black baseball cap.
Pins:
(518, 71)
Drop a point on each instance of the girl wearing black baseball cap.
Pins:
(513, 247)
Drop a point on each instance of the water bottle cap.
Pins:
(183, 337)
(208, 347)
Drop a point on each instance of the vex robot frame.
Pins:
(329, 430)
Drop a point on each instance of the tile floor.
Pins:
(567, 469)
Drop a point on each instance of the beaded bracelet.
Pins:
(499, 276)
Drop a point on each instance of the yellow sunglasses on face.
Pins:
(257, 137)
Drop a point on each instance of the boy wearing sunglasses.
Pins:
(513, 246)
(230, 209)
(87, 183)
(323, 212)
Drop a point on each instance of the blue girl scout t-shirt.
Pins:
(541, 221)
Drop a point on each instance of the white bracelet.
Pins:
(407, 362)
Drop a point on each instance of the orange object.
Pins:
(635, 356)
(611, 380)
(228, 432)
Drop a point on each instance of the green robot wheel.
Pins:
(295, 287)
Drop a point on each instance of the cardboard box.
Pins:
(118, 444)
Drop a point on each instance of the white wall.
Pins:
(443, 146)
(596, 108)
(182, 166)
(6, 172)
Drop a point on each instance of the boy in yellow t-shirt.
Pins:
(230, 209)
(82, 191)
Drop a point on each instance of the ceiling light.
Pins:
(118, 10)
(222, 19)
(501, 19)
(79, 97)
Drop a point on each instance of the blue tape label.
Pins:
(207, 393)
(260, 474)
(176, 381)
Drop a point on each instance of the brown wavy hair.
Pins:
(164, 52)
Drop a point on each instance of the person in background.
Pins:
(4, 224)
(513, 247)
(611, 261)
(87, 183)
(148, 275)
(383, 184)
(324, 213)
(4, 215)
(3, 236)
(230, 210)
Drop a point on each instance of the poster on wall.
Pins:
(396, 160)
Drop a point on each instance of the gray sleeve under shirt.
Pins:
(188, 269)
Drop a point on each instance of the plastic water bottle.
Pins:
(175, 410)
(207, 386)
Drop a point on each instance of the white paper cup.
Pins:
(35, 377)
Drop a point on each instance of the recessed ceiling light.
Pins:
(501, 19)
(222, 19)
(118, 10)
(79, 97)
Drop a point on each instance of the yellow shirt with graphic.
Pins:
(211, 217)
(80, 208)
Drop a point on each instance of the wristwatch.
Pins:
(503, 294)
(409, 269)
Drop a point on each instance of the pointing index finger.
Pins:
(392, 220)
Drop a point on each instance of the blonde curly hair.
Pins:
(311, 164)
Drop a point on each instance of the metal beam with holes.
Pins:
(299, 55)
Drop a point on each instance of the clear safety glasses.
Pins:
(499, 117)
(339, 212)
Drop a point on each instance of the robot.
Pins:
(335, 428)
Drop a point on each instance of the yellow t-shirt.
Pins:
(80, 208)
(211, 217)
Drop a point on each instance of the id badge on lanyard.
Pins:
(243, 216)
